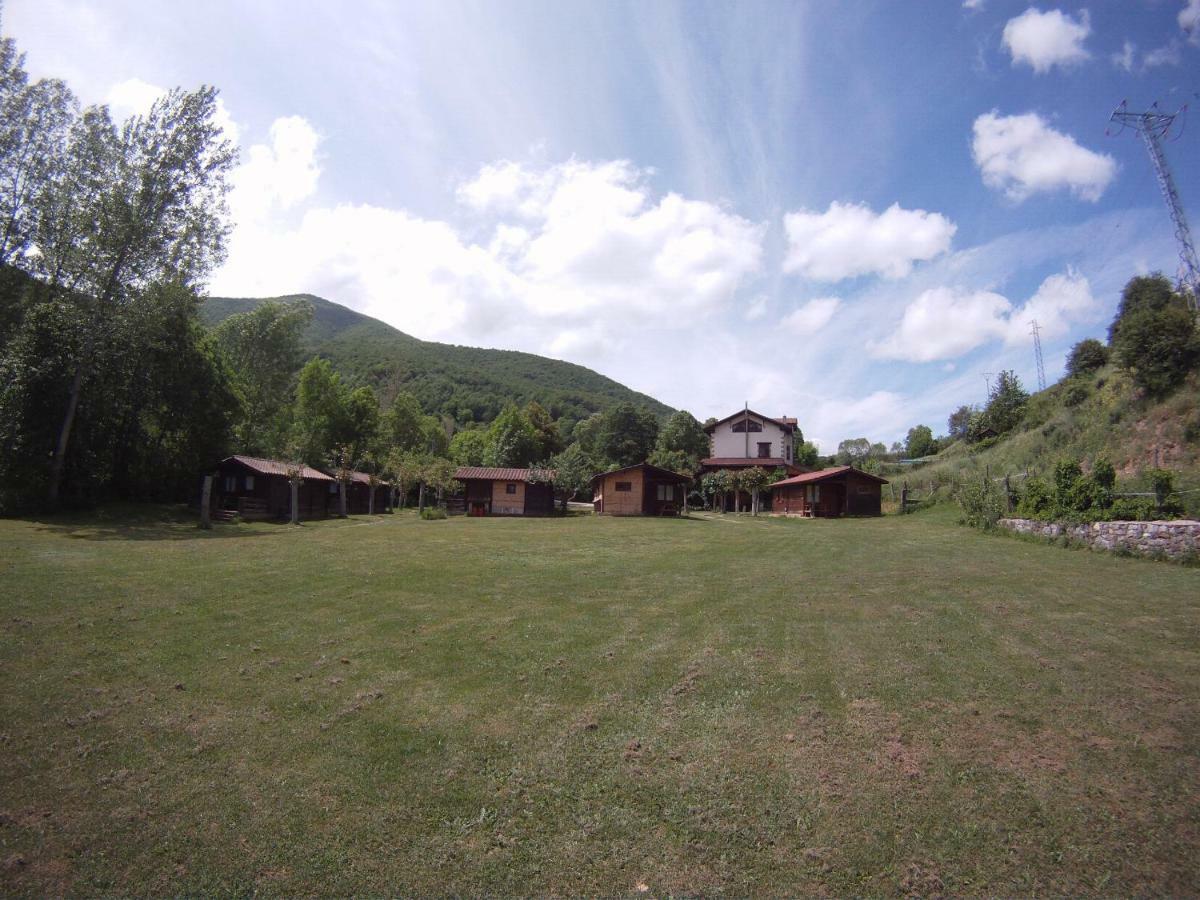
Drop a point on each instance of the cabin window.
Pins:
(249, 482)
(764, 450)
(666, 492)
(510, 489)
(864, 489)
(814, 493)
(624, 485)
(333, 487)
(230, 484)
(744, 426)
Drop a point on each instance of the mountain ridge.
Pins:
(470, 384)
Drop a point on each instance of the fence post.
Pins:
(1008, 493)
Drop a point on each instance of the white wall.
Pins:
(726, 443)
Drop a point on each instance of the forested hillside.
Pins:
(468, 384)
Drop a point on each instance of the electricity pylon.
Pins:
(1153, 125)
(1037, 351)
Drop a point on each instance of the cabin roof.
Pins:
(275, 467)
(665, 474)
(825, 475)
(492, 473)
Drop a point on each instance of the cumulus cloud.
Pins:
(1169, 55)
(1189, 20)
(943, 323)
(570, 249)
(812, 316)
(1022, 155)
(1043, 40)
(849, 240)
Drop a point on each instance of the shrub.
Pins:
(1037, 501)
(1158, 347)
(433, 512)
(1087, 356)
(982, 503)
(1075, 393)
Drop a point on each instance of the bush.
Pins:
(982, 503)
(1075, 393)
(1037, 501)
(1087, 356)
(430, 513)
(1159, 347)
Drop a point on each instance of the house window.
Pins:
(230, 484)
(814, 493)
(510, 489)
(333, 487)
(744, 426)
(666, 492)
(864, 489)
(624, 485)
(764, 449)
(249, 482)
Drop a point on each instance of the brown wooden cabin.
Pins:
(641, 490)
(258, 489)
(358, 494)
(491, 491)
(829, 493)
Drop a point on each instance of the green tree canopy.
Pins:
(1006, 403)
(919, 442)
(1086, 356)
(469, 447)
(512, 440)
(683, 434)
(626, 435)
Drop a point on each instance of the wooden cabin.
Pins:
(490, 491)
(358, 494)
(258, 489)
(641, 490)
(829, 493)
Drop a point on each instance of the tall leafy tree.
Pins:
(129, 207)
(320, 417)
(548, 438)
(512, 440)
(469, 447)
(1086, 356)
(683, 434)
(919, 442)
(262, 347)
(1006, 403)
(626, 435)
(1154, 335)
(573, 471)
(403, 425)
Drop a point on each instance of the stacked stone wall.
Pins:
(1172, 540)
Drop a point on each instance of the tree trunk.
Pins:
(342, 499)
(64, 436)
(295, 486)
(371, 501)
(205, 497)
(421, 499)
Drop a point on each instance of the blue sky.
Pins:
(846, 212)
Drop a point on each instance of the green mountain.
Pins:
(469, 383)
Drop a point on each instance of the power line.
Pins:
(1153, 125)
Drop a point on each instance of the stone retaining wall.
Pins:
(1172, 540)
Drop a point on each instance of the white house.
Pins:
(748, 438)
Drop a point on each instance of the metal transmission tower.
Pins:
(1037, 351)
(1153, 126)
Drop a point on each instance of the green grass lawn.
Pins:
(591, 705)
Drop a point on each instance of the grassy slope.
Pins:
(1112, 421)
(446, 377)
(579, 706)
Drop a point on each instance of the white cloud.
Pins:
(1124, 59)
(1059, 302)
(849, 240)
(1022, 155)
(973, 5)
(1189, 20)
(1168, 55)
(570, 248)
(812, 316)
(944, 323)
(1043, 40)
(756, 308)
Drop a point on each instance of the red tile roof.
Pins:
(276, 467)
(485, 473)
(824, 474)
(725, 462)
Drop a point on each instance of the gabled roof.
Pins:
(825, 475)
(275, 467)
(665, 474)
(784, 422)
(489, 473)
(364, 478)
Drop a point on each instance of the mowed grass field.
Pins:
(591, 706)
